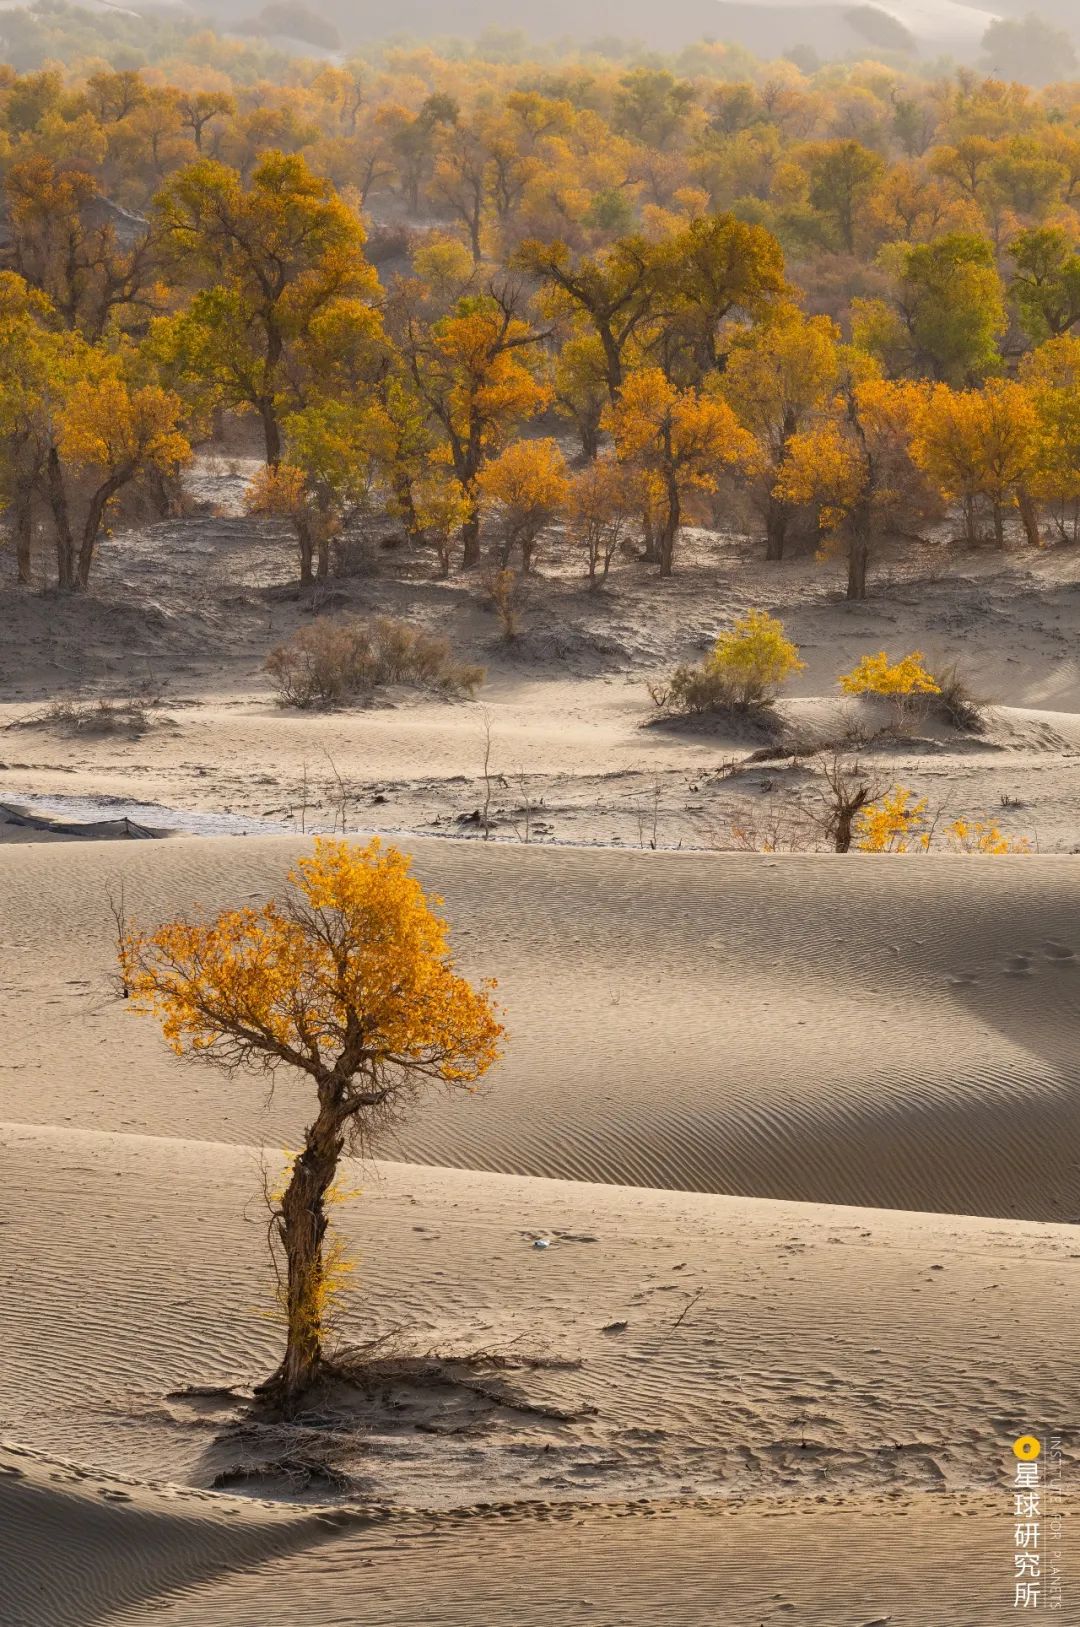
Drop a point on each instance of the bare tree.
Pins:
(847, 788)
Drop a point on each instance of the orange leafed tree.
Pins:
(112, 434)
(854, 465)
(347, 981)
(981, 444)
(474, 374)
(602, 507)
(681, 437)
(527, 484)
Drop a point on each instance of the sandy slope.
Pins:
(588, 759)
(819, 1349)
(136, 1555)
(895, 1033)
(806, 1417)
(864, 1371)
(190, 608)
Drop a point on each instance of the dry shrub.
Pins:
(335, 661)
(118, 714)
(743, 672)
(955, 700)
(503, 588)
(692, 689)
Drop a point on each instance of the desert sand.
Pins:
(799, 1130)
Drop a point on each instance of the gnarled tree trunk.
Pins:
(301, 1226)
(470, 537)
(672, 520)
(92, 525)
(22, 528)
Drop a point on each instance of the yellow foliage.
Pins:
(973, 836)
(893, 825)
(527, 483)
(282, 491)
(822, 465)
(779, 371)
(441, 509)
(978, 443)
(854, 458)
(683, 435)
(602, 502)
(484, 385)
(877, 675)
(353, 967)
(528, 479)
(122, 431)
(754, 658)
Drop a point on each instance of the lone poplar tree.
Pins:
(347, 980)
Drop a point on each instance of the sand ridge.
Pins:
(682, 1343)
(794, 986)
(142, 1554)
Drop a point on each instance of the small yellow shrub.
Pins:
(754, 659)
(972, 836)
(893, 825)
(745, 669)
(901, 682)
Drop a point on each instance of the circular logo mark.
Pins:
(1026, 1448)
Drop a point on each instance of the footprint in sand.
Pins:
(1060, 953)
(1019, 965)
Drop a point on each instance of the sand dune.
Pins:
(591, 758)
(183, 1562)
(896, 1034)
(856, 1374)
(748, 1407)
(139, 1269)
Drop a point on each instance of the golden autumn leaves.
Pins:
(348, 980)
(350, 971)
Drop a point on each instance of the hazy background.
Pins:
(1014, 39)
(925, 28)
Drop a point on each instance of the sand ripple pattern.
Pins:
(892, 1032)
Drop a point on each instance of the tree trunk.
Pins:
(858, 557)
(648, 534)
(776, 523)
(307, 552)
(92, 525)
(271, 434)
(999, 524)
(302, 1230)
(470, 537)
(403, 496)
(844, 820)
(969, 519)
(612, 360)
(670, 531)
(65, 542)
(23, 530)
(1029, 514)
